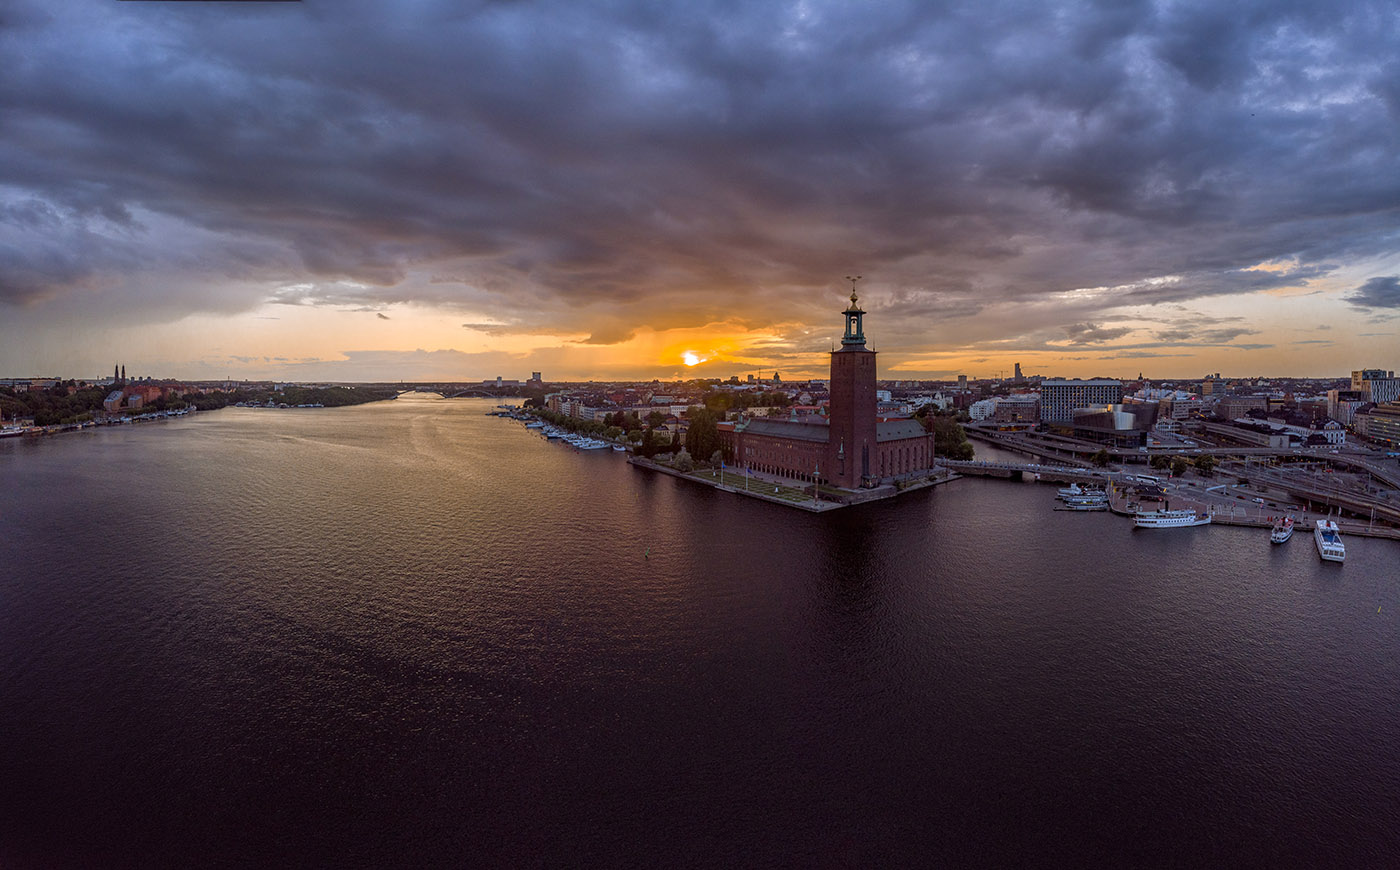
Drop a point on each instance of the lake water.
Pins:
(408, 634)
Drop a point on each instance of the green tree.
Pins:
(702, 436)
(683, 462)
(1160, 461)
(1205, 465)
(1179, 466)
(949, 439)
(655, 418)
(719, 402)
(1101, 458)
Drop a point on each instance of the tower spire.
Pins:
(855, 330)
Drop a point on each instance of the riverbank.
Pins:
(1229, 514)
(57, 428)
(779, 491)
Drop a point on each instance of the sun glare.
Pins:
(692, 358)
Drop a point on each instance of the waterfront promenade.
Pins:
(787, 492)
(1225, 506)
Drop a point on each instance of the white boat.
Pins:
(1329, 541)
(619, 448)
(535, 425)
(1069, 491)
(1282, 531)
(1169, 519)
(1084, 506)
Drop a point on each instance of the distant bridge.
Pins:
(456, 391)
(1060, 452)
(1018, 471)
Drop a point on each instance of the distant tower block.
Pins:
(1018, 372)
(535, 376)
(962, 382)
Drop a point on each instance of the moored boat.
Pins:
(1169, 519)
(1282, 531)
(1329, 541)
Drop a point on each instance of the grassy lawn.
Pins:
(736, 481)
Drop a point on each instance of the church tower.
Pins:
(851, 451)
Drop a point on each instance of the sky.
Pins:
(424, 190)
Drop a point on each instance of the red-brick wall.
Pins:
(852, 415)
(790, 457)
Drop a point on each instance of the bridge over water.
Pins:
(1018, 471)
(457, 391)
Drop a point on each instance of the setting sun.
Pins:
(691, 358)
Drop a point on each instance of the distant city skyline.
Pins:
(436, 192)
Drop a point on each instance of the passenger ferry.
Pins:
(1169, 519)
(1282, 531)
(1329, 541)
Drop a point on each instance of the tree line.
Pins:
(57, 406)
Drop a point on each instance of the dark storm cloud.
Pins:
(1377, 293)
(599, 168)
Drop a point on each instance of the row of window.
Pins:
(787, 458)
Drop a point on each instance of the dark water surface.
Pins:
(407, 634)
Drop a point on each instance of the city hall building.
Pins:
(852, 448)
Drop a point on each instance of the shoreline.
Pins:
(785, 494)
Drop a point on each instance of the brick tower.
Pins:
(852, 449)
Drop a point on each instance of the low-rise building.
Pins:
(982, 409)
(1117, 424)
(1231, 407)
(1019, 408)
(1251, 433)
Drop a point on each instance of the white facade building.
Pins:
(982, 409)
